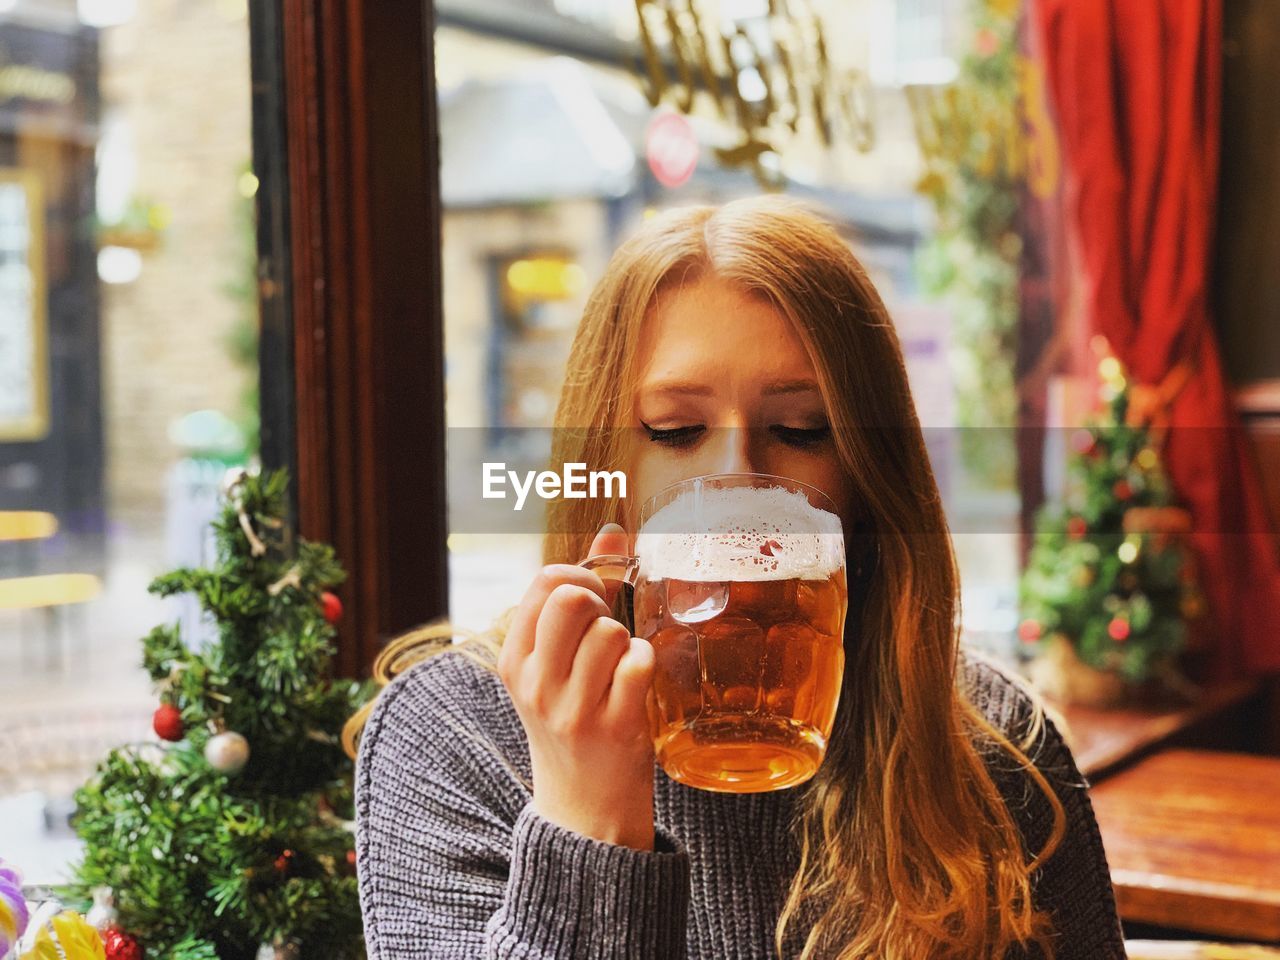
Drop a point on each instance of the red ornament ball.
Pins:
(332, 606)
(1029, 631)
(284, 861)
(1122, 490)
(1118, 628)
(1076, 527)
(167, 722)
(119, 945)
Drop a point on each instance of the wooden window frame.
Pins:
(352, 348)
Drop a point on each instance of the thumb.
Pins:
(611, 539)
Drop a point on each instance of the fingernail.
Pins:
(611, 528)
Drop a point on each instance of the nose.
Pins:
(735, 451)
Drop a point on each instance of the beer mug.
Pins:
(739, 585)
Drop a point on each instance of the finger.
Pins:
(603, 645)
(632, 680)
(565, 617)
(520, 636)
(611, 539)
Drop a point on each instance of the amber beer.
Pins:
(741, 590)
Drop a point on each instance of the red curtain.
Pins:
(1137, 85)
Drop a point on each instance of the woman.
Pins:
(508, 800)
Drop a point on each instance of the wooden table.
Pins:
(1189, 950)
(1193, 841)
(1106, 739)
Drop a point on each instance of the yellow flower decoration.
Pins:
(70, 932)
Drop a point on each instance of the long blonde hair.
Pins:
(907, 849)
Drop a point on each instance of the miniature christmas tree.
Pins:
(1108, 574)
(230, 843)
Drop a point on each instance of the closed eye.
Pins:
(674, 436)
(801, 437)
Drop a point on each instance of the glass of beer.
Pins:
(740, 586)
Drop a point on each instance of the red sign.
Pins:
(671, 147)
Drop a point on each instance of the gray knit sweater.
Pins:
(454, 863)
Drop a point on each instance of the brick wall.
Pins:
(179, 74)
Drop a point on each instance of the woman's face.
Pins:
(726, 386)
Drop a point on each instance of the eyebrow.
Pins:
(791, 386)
(679, 388)
(694, 389)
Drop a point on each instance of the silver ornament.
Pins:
(103, 913)
(227, 752)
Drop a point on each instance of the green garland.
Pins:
(974, 171)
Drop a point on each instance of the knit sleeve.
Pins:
(1074, 883)
(453, 862)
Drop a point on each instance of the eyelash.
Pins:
(686, 436)
(674, 437)
(798, 437)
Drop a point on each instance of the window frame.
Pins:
(352, 348)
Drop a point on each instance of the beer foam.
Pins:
(740, 533)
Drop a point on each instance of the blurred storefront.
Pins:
(51, 431)
(127, 349)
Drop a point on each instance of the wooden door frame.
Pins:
(346, 151)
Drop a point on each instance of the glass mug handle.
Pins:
(615, 567)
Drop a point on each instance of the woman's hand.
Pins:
(579, 682)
